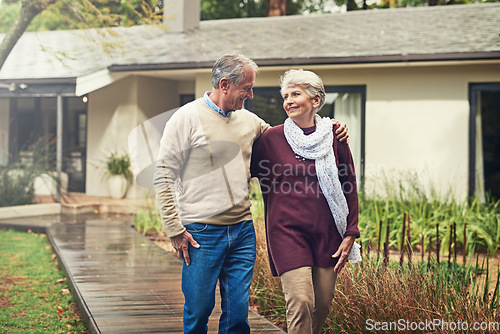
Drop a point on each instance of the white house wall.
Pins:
(113, 112)
(417, 121)
(203, 83)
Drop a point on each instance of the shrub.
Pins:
(148, 221)
(17, 178)
(117, 164)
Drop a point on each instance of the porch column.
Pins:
(59, 143)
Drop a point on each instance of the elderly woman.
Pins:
(311, 203)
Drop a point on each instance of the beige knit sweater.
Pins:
(203, 167)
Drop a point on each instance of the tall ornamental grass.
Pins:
(427, 214)
(417, 298)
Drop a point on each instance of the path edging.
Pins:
(30, 210)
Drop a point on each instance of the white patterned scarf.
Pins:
(318, 146)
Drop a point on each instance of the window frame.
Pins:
(475, 88)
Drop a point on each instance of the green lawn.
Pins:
(34, 294)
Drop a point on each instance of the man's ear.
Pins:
(224, 85)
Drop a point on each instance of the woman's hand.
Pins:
(341, 131)
(343, 251)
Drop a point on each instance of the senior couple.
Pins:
(209, 150)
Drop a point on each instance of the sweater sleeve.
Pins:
(172, 155)
(347, 177)
(254, 162)
(260, 125)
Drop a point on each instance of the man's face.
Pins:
(235, 96)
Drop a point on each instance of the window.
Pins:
(267, 103)
(484, 141)
(186, 98)
(35, 118)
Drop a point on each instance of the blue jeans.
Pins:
(227, 254)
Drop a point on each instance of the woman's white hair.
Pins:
(309, 81)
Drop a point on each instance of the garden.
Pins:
(430, 264)
(436, 272)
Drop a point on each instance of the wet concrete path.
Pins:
(123, 282)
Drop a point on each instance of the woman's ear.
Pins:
(316, 101)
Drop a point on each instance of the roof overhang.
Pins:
(37, 87)
(94, 81)
(185, 70)
(388, 60)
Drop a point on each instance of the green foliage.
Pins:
(418, 3)
(8, 14)
(84, 14)
(117, 164)
(35, 295)
(148, 221)
(480, 220)
(15, 188)
(230, 9)
(17, 179)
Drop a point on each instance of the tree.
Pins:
(230, 9)
(81, 14)
(276, 7)
(18, 16)
(29, 9)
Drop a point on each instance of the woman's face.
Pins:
(299, 106)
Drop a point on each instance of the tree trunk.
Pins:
(29, 10)
(276, 7)
(351, 5)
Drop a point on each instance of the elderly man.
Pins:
(201, 183)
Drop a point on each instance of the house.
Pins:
(418, 87)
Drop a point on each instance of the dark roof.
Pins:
(457, 32)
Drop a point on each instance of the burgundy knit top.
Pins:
(300, 228)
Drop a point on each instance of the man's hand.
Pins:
(343, 251)
(181, 245)
(341, 131)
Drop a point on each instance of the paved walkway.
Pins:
(123, 282)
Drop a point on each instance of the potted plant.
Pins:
(119, 174)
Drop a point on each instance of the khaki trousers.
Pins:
(308, 294)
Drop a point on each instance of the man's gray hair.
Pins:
(309, 81)
(231, 66)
